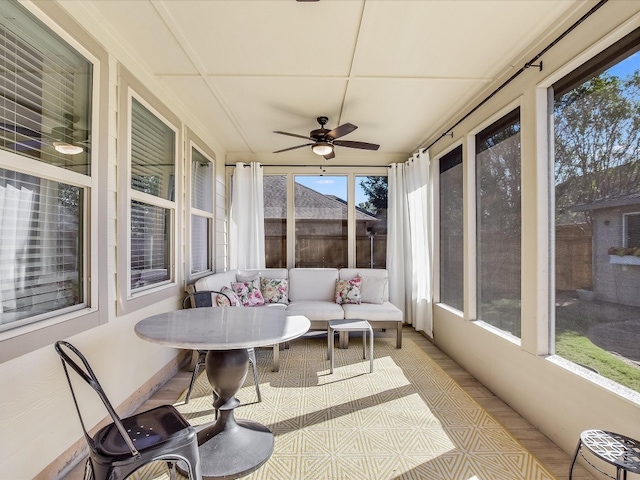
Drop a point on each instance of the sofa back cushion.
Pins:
(281, 273)
(215, 281)
(312, 284)
(378, 291)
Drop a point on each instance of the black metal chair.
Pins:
(125, 445)
(205, 299)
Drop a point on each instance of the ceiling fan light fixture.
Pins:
(67, 148)
(322, 148)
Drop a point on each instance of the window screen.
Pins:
(498, 213)
(451, 230)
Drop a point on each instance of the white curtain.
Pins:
(246, 229)
(16, 206)
(410, 245)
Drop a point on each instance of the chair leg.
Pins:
(276, 358)
(575, 457)
(172, 470)
(88, 471)
(200, 361)
(252, 359)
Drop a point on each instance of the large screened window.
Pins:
(152, 197)
(371, 221)
(498, 223)
(45, 116)
(451, 229)
(333, 227)
(275, 220)
(201, 176)
(321, 221)
(596, 129)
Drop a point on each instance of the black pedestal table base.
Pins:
(231, 448)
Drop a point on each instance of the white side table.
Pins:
(351, 325)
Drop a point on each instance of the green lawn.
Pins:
(579, 349)
(572, 342)
(572, 327)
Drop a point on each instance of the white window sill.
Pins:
(624, 260)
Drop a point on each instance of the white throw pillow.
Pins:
(372, 289)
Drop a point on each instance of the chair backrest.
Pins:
(85, 372)
(203, 298)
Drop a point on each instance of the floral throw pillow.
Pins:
(227, 298)
(248, 293)
(348, 291)
(275, 290)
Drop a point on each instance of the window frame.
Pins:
(192, 141)
(128, 301)
(25, 339)
(291, 171)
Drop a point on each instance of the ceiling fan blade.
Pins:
(293, 148)
(293, 135)
(342, 130)
(329, 156)
(362, 145)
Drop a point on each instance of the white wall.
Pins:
(558, 398)
(38, 423)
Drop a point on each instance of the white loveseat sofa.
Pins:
(311, 293)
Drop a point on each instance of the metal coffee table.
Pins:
(350, 325)
(618, 450)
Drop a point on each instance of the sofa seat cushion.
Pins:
(316, 309)
(372, 312)
(277, 306)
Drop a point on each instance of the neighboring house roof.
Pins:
(620, 201)
(310, 204)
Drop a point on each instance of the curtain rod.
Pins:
(526, 66)
(310, 166)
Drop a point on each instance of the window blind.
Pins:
(152, 154)
(40, 246)
(44, 91)
(150, 244)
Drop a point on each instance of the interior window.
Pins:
(152, 198)
(201, 212)
(45, 115)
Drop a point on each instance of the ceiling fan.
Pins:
(324, 140)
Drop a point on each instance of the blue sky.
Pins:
(331, 185)
(627, 66)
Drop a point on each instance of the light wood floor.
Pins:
(539, 445)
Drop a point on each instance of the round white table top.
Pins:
(221, 328)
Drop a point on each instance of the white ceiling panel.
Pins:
(397, 69)
(399, 113)
(454, 39)
(270, 37)
(202, 104)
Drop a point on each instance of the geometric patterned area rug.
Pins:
(406, 420)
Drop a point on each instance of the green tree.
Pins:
(597, 143)
(376, 189)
